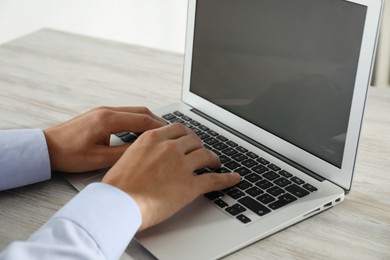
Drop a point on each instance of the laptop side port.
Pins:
(328, 205)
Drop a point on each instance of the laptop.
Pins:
(277, 89)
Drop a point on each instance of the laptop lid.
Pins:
(289, 75)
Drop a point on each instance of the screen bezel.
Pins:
(340, 176)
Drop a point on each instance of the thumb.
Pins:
(216, 181)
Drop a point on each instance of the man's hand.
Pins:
(82, 144)
(157, 172)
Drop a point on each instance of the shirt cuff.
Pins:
(24, 159)
(109, 215)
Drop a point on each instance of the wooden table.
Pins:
(49, 76)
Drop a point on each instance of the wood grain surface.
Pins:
(49, 77)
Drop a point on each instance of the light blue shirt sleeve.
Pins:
(24, 158)
(98, 223)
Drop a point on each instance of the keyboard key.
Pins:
(282, 182)
(212, 133)
(186, 118)
(285, 173)
(232, 211)
(169, 117)
(129, 138)
(244, 219)
(176, 120)
(203, 128)
(236, 194)
(231, 143)
(265, 198)
(273, 167)
(249, 163)
(214, 195)
(242, 171)
(253, 177)
(297, 180)
(221, 203)
(203, 136)
(262, 161)
(194, 123)
(222, 170)
(229, 151)
(121, 134)
(239, 207)
(241, 149)
(252, 155)
(243, 185)
(271, 175)
(222, 138)
(220, 146)
(235, 209)
(196, 130)
(260, 169)
(210, 141)
(275, 191)
(254, 191)
(264, 184)
(178, 113)
(239, 157)
(310, 187)
(254, 205)
(216, 152)
(282, 201)
(297, 191)
(224, 159)
(229, 189)
(232, 165)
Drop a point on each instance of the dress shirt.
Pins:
(24, 158)
(90, 226)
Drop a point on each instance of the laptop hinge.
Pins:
(260, 146)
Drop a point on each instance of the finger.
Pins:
(202, 158)
(214, 181)
(136, 110)
(174, 131)
(189, 143)
(132, 122)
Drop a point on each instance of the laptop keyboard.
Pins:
(264, 186)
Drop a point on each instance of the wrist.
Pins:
(52, 149)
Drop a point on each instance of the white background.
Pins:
(153, 23)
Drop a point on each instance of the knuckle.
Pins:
(144, 110)
(171, 147)
(146, 120)
(178, 127)
(150, 135)
(100, 108)
(211, 156)
(100, 117)
(102, 114)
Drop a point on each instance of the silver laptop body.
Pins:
(285, 80)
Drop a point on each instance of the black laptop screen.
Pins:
(287, 66)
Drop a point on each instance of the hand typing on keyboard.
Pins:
(157, 171)
(83, 143)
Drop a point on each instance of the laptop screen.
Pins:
(286, 66)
